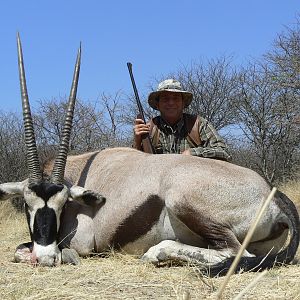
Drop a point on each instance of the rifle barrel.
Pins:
(146, 141)
(138, 101)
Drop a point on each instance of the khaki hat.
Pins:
(169, 85)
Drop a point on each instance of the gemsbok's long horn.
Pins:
(61, 159)
(35, 173)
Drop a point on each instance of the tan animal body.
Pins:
(162, 207)
(175, 207)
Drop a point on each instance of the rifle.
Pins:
(146, 141)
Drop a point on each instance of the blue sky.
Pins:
(156, 36)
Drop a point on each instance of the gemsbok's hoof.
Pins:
(70, 256)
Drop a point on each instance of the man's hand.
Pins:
(140, 128)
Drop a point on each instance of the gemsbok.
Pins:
(161, 207)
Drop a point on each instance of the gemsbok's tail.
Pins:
(259, 263)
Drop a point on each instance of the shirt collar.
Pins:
(177, 127)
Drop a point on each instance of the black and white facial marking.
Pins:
(44, 203)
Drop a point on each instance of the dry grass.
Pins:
(124, 277)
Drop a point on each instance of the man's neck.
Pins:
(172, 122)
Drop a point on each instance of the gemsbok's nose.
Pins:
(49, 260)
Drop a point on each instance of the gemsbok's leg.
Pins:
(269, 245)
(216, 241)
(169, 250)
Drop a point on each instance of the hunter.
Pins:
(174, 131)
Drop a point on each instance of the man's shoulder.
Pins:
(192, 120)
(194, 117)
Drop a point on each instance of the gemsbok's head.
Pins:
(44, 199)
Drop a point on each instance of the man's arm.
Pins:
(212, 145)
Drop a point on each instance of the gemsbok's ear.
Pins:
(12, 189)
(86, 197)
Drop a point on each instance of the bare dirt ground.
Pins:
(121, 276)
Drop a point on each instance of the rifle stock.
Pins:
(146, 140)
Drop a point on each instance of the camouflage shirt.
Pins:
(174, 139)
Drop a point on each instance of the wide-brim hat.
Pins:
(169, 85)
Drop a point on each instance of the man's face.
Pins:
(170, 106)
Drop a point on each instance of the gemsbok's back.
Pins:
(162, 207)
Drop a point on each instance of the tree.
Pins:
(95, 125)
(284, 58)
(266, 115)
(213, 85)
(13, 165)
(12, 148)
